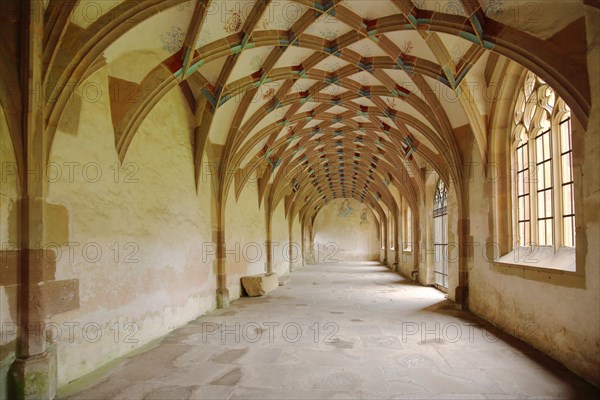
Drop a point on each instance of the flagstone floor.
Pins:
(340, 331)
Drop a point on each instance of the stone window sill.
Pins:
(541, 258)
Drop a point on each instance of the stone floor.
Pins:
(339, 331)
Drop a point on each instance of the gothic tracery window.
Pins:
(543, 173)
(440, 234)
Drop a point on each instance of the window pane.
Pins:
(549, 232)
(548, 175)
(445, 264)
(540, 177)
(545, 232)
(547, 150)
(565, 135)
(539, 149)
(521, 208)
(521, 233)
(567, 200)
(446, 228)
(564, 139)
(543, 149)
(442, 231)
(520, 159)
(542, 232)
(524, 234)
(567, 173)
(569, 231)
(520, 182)
(548, 201)
(541, 212)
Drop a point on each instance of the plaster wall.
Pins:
(245, 237)
(280, 239)
(342, 237)
(391, 259)
(406, 264)
(407, 243)
(296, 257)
(134, 236)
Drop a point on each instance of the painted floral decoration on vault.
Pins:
(172, 40)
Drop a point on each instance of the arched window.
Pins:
(391, 233)
(408, 227)
(440, 235)
(543, 178)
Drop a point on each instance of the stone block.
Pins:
(284, 280)
(42, 263)
(9, 267)
(56, 225)
(259, 285)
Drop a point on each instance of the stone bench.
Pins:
(259, 285)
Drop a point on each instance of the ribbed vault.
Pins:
(323, 99)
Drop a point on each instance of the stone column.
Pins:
(303, 242)
(269, 239)
(397, 239)
(34, 371)
(385, 239)
(221, 260)
(465, 254)
(290, 244)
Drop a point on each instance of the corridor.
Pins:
(335, 331)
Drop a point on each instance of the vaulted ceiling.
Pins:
(323, 99)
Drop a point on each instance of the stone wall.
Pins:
(340, 236)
